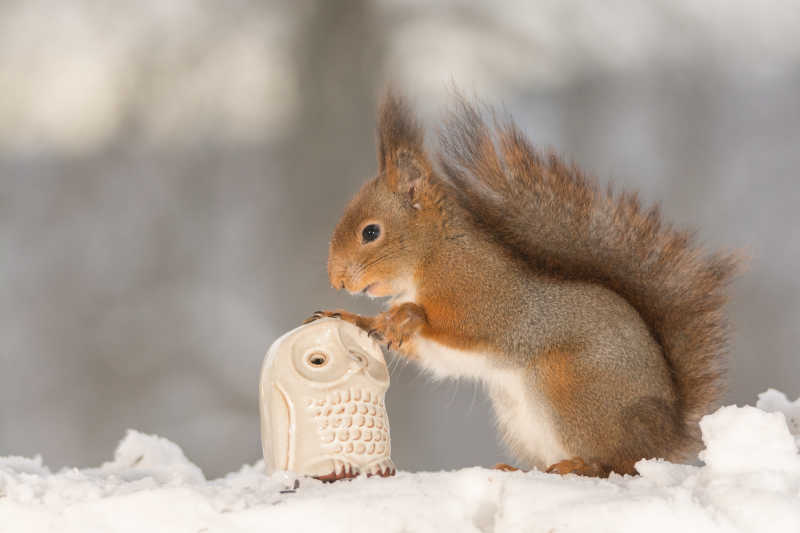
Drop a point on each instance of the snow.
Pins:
(750, 481)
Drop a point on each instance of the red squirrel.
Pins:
(596, 328)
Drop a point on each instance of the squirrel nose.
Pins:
(337, 280)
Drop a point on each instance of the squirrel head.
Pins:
(395, 219)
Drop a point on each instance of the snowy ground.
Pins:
(750, 482)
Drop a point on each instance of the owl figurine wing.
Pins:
(322, 403)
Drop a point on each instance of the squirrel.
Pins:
(596, 328)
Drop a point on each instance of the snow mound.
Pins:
(773, 401)
(750, 482)
(141, 456)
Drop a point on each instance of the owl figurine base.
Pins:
(322, 403)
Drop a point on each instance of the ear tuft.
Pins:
(397, 129)
(401, 156)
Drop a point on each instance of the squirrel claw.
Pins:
(315, 316)
(322, 314)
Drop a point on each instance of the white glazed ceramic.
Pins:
(322, 403)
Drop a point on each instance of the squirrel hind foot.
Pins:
(578, 466)
(503, 467)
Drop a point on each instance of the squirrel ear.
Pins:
(401, 156)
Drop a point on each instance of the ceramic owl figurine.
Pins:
(322, 403)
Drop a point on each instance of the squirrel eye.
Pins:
(370, 233)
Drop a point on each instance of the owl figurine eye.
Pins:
(321, 399)
(317, 359)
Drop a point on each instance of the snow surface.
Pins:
(750, 482)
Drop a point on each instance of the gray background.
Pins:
(170, 173)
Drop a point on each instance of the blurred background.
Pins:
(170, 174)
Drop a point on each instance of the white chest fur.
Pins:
(445, 362)
(523, 417)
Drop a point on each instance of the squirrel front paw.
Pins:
(398, 325)
(394, 327)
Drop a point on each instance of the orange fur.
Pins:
(609, 318)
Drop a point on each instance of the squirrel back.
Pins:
(565, 226)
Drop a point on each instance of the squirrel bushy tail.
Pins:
(564, 225)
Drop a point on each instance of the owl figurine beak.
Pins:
(359, 360)
(321, 400)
